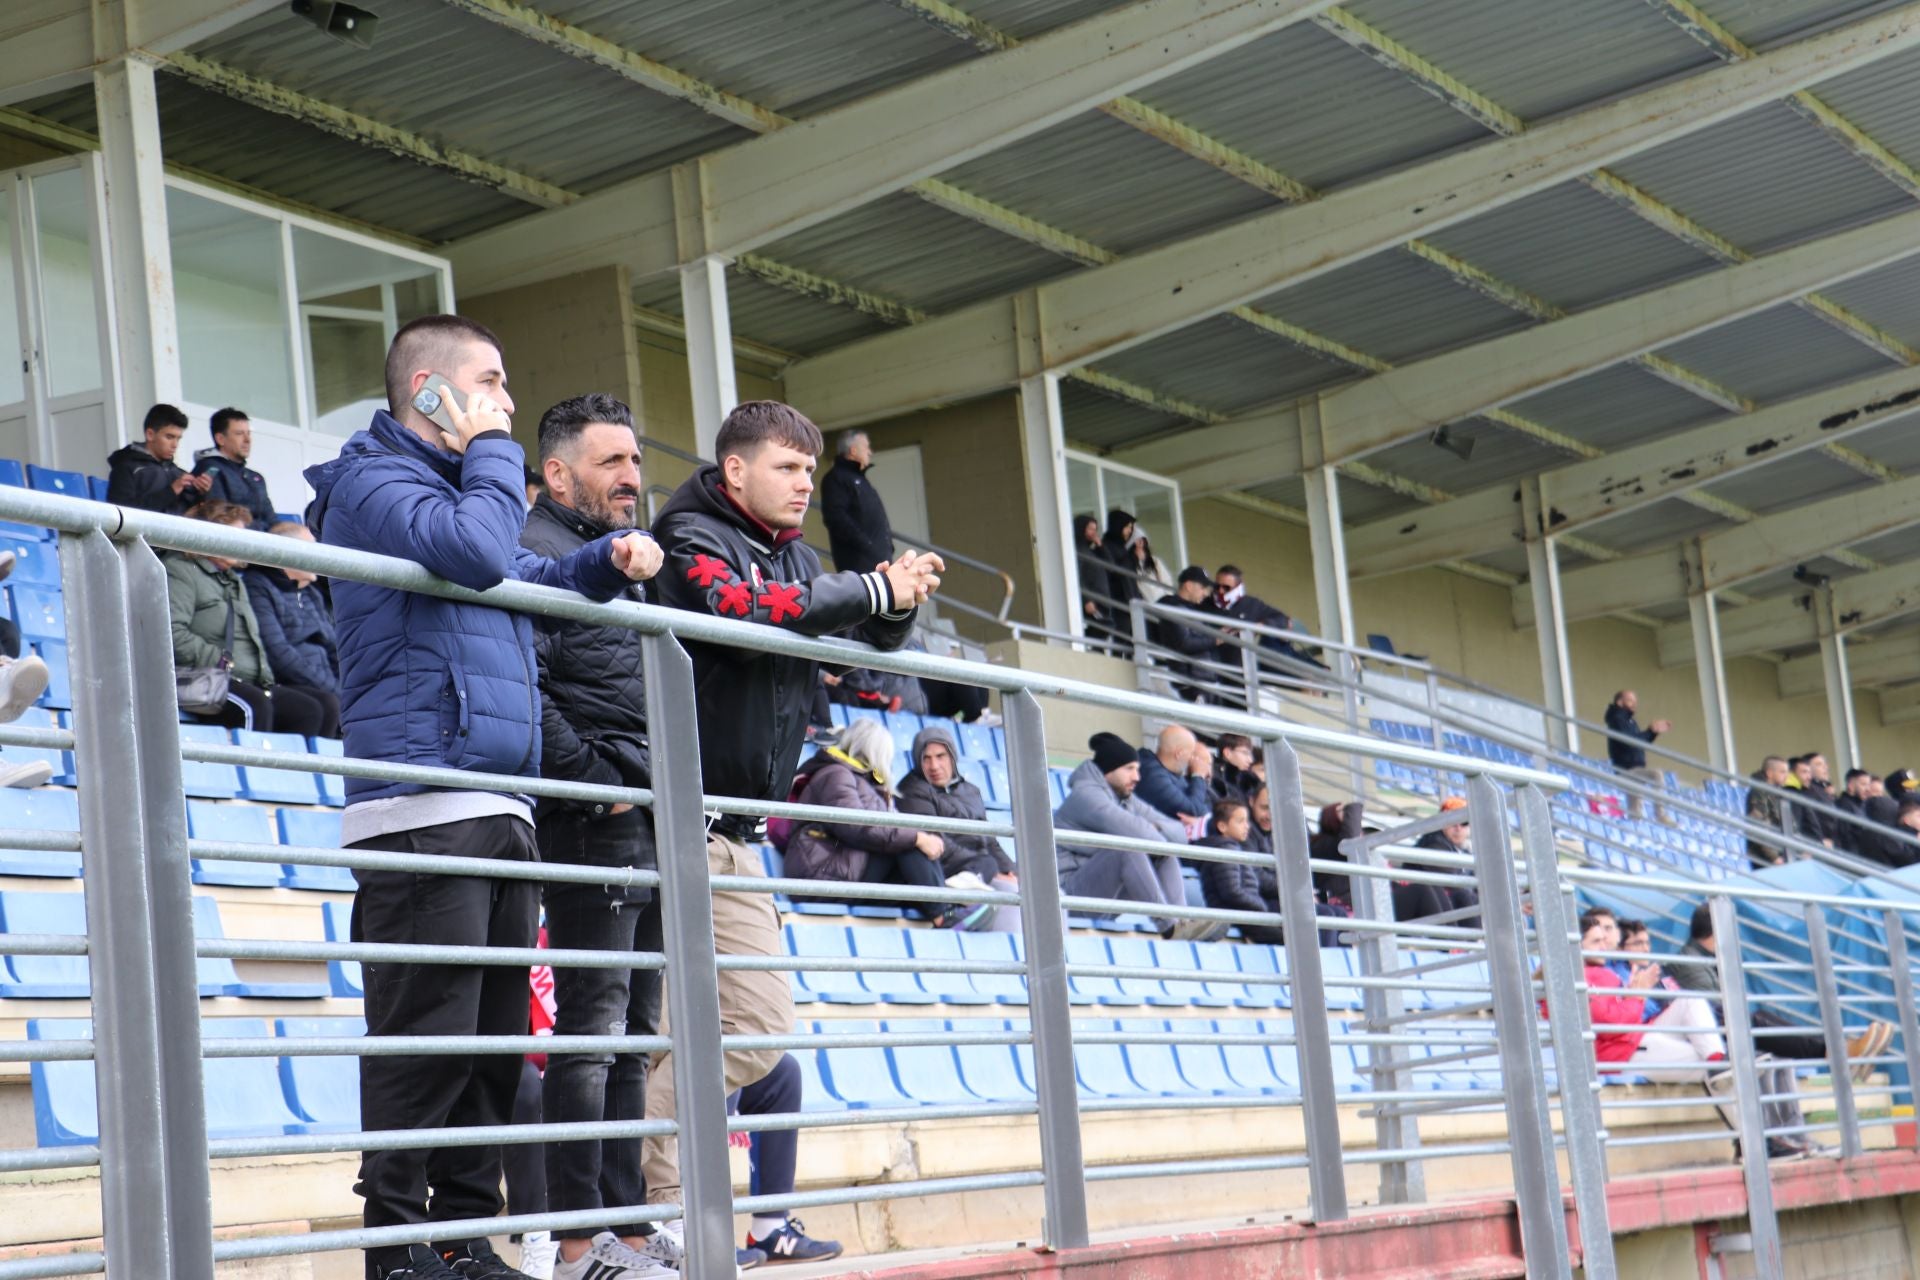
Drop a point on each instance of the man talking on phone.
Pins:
(438, 480)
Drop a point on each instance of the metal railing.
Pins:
(154, 1153)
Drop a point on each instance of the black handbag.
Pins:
(202, 691)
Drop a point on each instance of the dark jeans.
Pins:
(954, 701)
(285, 708)
(776, 1152)
(430, 1092)
(599, 1002)
(912, 867)
(525, 1163)
(1800, 1047)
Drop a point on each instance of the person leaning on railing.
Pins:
(732, 538)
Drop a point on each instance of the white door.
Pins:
(897, 477)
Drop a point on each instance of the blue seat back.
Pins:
(343, 976)
(72, 484)
(944, 944)
(39, 610)
(1007, 988)
(234, 824)
(927, 1073)
(293, 785)
(41, 809)
(59, 692)
(323, 1091)
(859, 1076)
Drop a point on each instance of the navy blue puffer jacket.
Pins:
(424, 680)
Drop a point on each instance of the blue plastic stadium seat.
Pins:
(65, 1104)
(1153, 1066)
(992, 1071)
(975, 771)
(1262, 959)
(313, 829)
(199, 778)
(72, 484)
(1137, 953)
(206, 927)
(840, 713)
(343, 976)
(41, 809)
(928, 1073)
(1249, 1065)
(858, 1077)
(1336, 966)
(1218, 957)
(892, 987)
(903, 725)
(1005, 988)
(1083, 949)
(234, 824)
(814, 1094)
(976, 741)
(333, 787)
(1057, 779)
(97, 488)
(278, 786)
(39, 610)
(43, 977)
(1180, 955)
(950, 988)
(1204, 1066)
(999, 789)
(1102, 1068)
(835, 986)
(13, 472)
(324, 1092)
(61, 762)
(59, 694)
(35, 561)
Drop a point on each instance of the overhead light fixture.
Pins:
(347, 23)
(1459, 446)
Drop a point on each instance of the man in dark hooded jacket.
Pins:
(225, 466)
(145, 475)
(934, 787)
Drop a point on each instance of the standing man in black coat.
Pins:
(1193, 641)
(593, 728)
(858, 533)
(225, 466)
(1628, 753)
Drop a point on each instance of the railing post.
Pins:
(1762, 1223)
(1394, 1127)
(1043, 926)
(1903, 1004)
(155, 1189)
(1567, 1019)
(1846, 1115)
(692, 987)
(1536, 1174)
(1142, 662)
(1312, 1029)
(1250, 672)
(1434, 721)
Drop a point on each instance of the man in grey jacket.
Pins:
(1100, 799)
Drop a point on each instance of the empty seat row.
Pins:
(278, 786)
(56, 809)
(245, 1097)
(976, 741)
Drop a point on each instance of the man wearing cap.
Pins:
(1413, 901)
(1764, 809)
(1100, 798)
(1193, 640)
(1886, 807)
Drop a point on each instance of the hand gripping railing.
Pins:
(153, 1154)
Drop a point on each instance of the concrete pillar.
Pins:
(1044, 449)
(703, 304)
(1711, 664)
(1549, 624)
(1839, 683)
(145, 340)
(1328, 538)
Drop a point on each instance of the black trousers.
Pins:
(430, 1092)
(599, 1002)
(954, 701)
(525, 1163)
(912, 867)
(284, 708)
(776, 1152)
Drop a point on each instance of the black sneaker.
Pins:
(476, 1260)
(791, 1243)
(422, 1263)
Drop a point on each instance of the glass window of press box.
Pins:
(1096, 486)
(282, 316)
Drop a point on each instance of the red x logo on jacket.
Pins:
(705, 571)
(781, 602)
(735, 598)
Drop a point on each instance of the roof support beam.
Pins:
(1864, 600)
(52, 44)
(781, 183)
(1094, 313)
(1884, 660)
(1596, 489)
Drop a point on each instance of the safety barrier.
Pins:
(1448, 1006)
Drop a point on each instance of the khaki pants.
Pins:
(752, 1003)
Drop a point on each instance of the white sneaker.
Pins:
(33, 773)
(538, 1252)
(667, 1245)
(1190, 930)
(22, 681)
(988, 720)
(609, 1258)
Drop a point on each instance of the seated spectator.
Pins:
(1100, 798)
(145, 475)
(1417, 901)
(225, 466)
(935, 788)
(1809, 816)
(853, 775)
(1175, 778)
(296, 623)
(877, 690)
(1338, 822)
(1231, 598)
(1233, 768)
(1628, 751)
(1764, 809)
(1192, 641)
(202, 593)
(1235, 886)
(22, 680)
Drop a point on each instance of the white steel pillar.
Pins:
(1710, 663)
(1839, 682)
(1549, 624)
(140, 261)
(703, 304)
(1043, 443)
(1326, 534)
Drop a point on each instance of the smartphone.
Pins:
(432, 399)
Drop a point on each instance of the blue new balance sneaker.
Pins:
(791, 1243)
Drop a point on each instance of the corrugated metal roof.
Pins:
(1316, 109)
(1617, 408)
(1499, 455)
(1900, 545)
(1805, 477)
(903, 248)
(1894, 444)
(1225, 365)
(1110, 183)
(1573, 247)
(791, 321)
(1889, 297)
(1656, 525)
(1538, 58)
(1025, 19)
(1776, 354)
(1763, 23)
(1098, 421)
(1394, 307)
(1764, 179)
